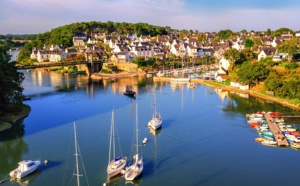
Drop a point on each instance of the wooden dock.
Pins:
(279, 137)
(285, 116)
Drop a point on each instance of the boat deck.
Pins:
(279, 137)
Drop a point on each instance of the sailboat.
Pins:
(156, 120)
(115, 164)
(180, 79)
(136, 168)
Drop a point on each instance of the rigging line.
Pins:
(119, 144)
(67, 159)
(83, 167)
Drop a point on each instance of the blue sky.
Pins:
(39, 16)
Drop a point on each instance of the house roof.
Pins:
(269, 50)
(223, 76)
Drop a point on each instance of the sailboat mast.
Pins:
(113, 134)
(76, 155)
(136, 128)
(110, 137)
(154, 101)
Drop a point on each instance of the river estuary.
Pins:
(204, 139)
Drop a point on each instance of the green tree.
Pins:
(140, 61)
(253, 73)
(248, 43)
(273, 82)
(279, 31)
(232, 55)
(268, 32)
(225, 34)
(10, 80)
(289, 46)
(290, 89)
(247, 55)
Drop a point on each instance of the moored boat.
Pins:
(115, 164)
(268, 142)
(295, 145)
(25, 167)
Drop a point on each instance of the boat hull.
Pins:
(179, 80)
(134, 170)
(114, 168)
(18, 173)
(155, 123)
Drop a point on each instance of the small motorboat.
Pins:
(129, 92)
(25, 167)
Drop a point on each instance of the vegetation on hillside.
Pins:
(63, 35)
(10, 81)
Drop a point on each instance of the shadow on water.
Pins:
(152, 165)
(167, 123)
(212, 176)
(17, 130)
(49, 165)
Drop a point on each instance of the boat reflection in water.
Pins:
(26, 180)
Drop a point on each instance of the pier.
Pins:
(287, 116)
(279, 137)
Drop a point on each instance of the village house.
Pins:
(286, 36)
(92, 41)
(142, 50)
(191, 51)
(224, 64)
(276, 41)
(221, 77)
(266, 52)
(78, 41)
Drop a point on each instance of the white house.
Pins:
(142, 51)
(224, 63)
(221, 77)
(123, 56)
(191, 51)
(78, 41)
(266, 52)
(57, 55)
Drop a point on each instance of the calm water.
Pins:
(14, 54)
(204, 139)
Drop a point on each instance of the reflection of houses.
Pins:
(221, 93)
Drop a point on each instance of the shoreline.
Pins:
(253, 93)
(10, 119)
(117, 75)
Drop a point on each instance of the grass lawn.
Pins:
(4, 126)
(15, 116)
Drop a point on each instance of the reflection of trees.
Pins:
(252, 104)
(12, 147)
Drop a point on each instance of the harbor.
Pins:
(197, 123)
(274, 131)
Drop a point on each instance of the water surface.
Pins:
(205, 139)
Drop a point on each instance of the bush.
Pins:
(104, 71)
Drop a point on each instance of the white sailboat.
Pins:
(156, 121)
(180, 79)
(136, 168)
(115, 164)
